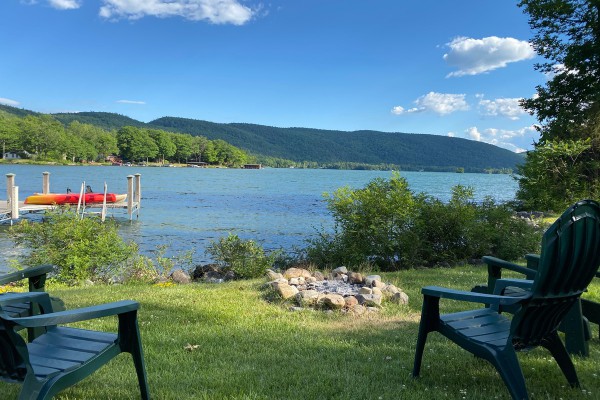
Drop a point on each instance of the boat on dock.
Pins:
(73, 198)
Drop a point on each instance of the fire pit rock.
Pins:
(339, 290)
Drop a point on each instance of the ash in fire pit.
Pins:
(348, 291)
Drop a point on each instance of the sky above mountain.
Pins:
(454, 68)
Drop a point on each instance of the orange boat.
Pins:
(73, 198)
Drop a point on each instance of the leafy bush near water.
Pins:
(81, 248)
(388, 225)
(245, 258)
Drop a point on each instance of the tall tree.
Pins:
(567, 35)
(135, 144)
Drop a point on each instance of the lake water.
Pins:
(186, 208)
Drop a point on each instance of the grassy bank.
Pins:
(248, 348)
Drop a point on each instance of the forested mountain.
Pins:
(103, 120)
(325, 147)
(369, 147)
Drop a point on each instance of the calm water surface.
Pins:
(186, 208)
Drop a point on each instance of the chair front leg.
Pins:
(430, 317)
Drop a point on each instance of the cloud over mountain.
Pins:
(476, 56)
(439, 103)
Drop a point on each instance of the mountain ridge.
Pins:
(406, 150)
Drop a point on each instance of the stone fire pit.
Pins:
(340, 290)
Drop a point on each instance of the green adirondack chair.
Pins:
(37, 280)
(568, 262)
(62, 356)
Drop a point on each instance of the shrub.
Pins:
(81, 248)
(245, 258)
(387, 225)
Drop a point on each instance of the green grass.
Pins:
(249, 348)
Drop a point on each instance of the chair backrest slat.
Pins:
(569, 260)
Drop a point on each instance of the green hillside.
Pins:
(370, 147)
(103, 120)
(409, 151)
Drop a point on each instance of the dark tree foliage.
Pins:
(567, 35)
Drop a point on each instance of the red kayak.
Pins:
(73, 198)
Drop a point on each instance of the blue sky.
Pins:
(452, 68)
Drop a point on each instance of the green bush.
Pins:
(81, 248)
(387, 225)
(245, 258)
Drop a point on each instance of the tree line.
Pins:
(44, 138)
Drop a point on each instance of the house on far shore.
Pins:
(252, 166)
(16, 155)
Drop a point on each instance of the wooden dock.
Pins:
(12, 209)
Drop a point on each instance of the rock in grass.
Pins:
(350, 301)
(307, 297)
(179, 276)
(272, 275)
(332, 301)
(355, 278)
(369, 280)
(339, 271)
(296, 273)
(400, 298)
(285, 290)
(369, 300)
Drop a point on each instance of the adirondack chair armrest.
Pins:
(80, 314)
(27, 273)
(474, 297)
(502, 284)
(493, 262)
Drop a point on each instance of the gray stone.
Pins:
(350, 301)
(339, 271)
(400, 298)
(285, 290)
(369, 300)
(311, 279)
(296, 309)
(370, 279)
(390, 290)
(319, 276)
(272, 275)
(294, 281)
(307, 297)
(332, 301)
(296, 273)
(365, 290)
(377, 291)
(355, 278)
(378, 284)
(358, 309)
(179, 276)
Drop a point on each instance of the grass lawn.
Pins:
(249, 348)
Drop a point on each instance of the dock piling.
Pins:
(45, 182)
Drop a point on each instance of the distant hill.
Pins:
(409, 151)
(104, 120)
(370, 147)
(19, 112)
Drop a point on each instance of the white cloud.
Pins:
(476, 56)
(9, 102)
(65, 4)
(505, 107)
(439, 103)
(508, 139)
(131, 102)
(214, 11)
